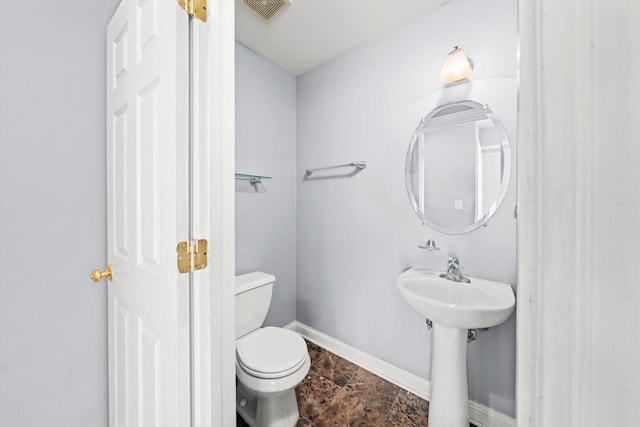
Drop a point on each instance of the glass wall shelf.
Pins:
(253, 179)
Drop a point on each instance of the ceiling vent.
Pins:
(266, 9)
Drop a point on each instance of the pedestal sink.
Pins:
(453, 309)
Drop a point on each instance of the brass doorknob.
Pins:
(97, 275)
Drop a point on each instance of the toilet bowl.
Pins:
(270, 361)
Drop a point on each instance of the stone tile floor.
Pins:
(338, 393)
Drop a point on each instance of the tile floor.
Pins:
(338, 393)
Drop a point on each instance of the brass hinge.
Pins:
(197, 8)
(192, 255)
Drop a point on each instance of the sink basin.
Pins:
(479, 304)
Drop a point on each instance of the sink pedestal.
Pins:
(449, 403)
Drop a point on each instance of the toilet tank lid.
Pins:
(245, 282)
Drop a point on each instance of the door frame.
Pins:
(213, 215)
(578, 206)
(555, 159)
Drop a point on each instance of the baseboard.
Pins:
(479, 415)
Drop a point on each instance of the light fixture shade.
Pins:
(457, 67)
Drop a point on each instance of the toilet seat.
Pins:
(271, 353)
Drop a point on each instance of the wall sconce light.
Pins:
(456, 67)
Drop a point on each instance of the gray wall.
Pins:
(356, 234)
(53, 319)
(266, 145)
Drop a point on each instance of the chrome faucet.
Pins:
(454, 266)
(453, 271)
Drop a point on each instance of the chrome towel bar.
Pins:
(359, 165)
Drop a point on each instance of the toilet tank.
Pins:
(253, 297)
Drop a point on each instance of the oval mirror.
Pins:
(458, 166)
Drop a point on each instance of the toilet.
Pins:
(270, 361)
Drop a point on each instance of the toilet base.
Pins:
(276, 411)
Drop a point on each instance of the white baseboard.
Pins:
(479, 415)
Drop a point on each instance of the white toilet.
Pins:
(270, 362)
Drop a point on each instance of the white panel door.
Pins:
(147, 189)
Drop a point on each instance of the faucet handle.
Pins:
(453, 263)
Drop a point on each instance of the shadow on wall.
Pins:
(248, 187)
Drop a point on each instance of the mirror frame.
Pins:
(474, 109)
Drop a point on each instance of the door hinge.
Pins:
(197, 8)
(192, 255)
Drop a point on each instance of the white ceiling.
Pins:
(310, 32)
